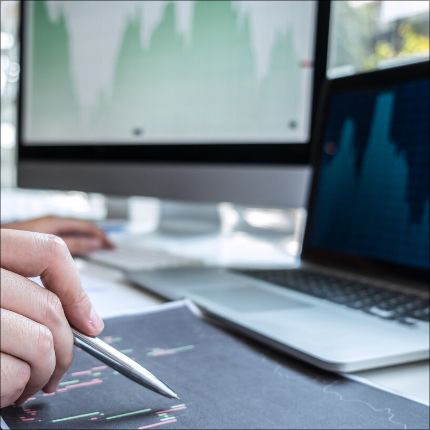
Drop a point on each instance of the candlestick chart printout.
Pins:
(223, 381)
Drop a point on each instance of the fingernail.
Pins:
(110, 244)
(95, 321)
(95, 244)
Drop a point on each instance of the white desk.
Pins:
(113, 296)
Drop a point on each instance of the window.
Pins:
(367, 35)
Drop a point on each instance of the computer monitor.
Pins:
(369, 208)
(187, 100)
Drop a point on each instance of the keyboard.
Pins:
(133, 258)
(377, 301)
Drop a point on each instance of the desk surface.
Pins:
(112, 295)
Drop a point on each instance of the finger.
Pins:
(24, 297)
(82, 245)
(61, 227)
(15, 375)
(31, 342)
(47, 256)
(35, 224)
(64, 226)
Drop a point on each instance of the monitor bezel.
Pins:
(208, 154)
(365, 266)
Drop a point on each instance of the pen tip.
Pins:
(176, 397)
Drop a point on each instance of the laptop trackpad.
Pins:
(249, 298)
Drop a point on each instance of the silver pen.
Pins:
(121, 363)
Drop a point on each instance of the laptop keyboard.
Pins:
(138, 258)
(380, 302)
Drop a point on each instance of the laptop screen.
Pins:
(372, 192)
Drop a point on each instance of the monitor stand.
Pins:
(117, 208)
(188, 219)
(174, 218)
(180, 219)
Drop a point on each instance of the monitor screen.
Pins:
(168, 72)
(372, 195)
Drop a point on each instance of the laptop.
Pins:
(360, 297)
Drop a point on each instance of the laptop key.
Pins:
(421, 314)
(383, 313)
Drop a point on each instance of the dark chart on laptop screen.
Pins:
(373, 192)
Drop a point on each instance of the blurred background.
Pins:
(9, 84)
(365, 35)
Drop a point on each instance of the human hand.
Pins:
(80, 236)
(36, 341)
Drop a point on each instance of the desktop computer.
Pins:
(183, 100)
